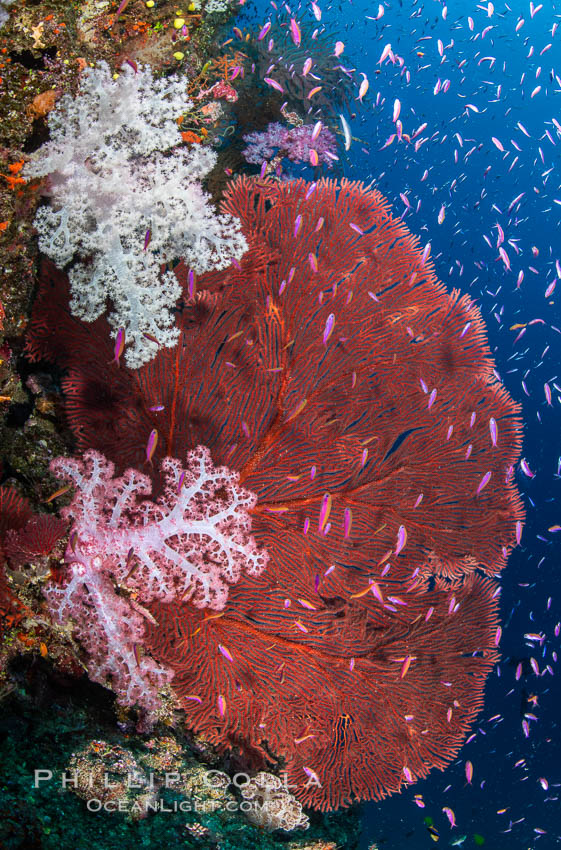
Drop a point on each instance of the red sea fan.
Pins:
(356, 398)
(357, 698)
(15, 512)
(24, 536)
(36, 539)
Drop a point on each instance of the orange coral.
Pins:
(11, 178)
(189, 136)
(42, 104)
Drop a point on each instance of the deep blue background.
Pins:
(474, 205)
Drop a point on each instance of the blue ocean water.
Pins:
(484, 189)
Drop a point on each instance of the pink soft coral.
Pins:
(126, 551)
(292, 142)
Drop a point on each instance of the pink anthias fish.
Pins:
(387, 51)
(151, 445)
(408, 775)
(483, 483)
(316, 131)
(363, 87)
(401, 539)
(505, 258)
(225, 652)
(324, 512)
(311, 774)
(329, 325)
(273, 84)
(406, 665)
(119, 344)
(295, 32)
(191, 283)
(450, 815)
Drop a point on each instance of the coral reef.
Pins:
(314, 591)
(167, 797)
(290, 386)
(111, 777)
(25, 538)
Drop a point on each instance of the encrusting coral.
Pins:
(271, 805)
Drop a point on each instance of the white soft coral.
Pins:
(125, 198)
